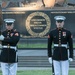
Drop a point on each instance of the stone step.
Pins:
(37, 61)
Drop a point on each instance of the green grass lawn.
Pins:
(39, 72)
(35, 72)
(36, 45)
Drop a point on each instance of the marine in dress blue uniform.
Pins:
(9, 56)
(61, 39)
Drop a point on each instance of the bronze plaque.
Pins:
(38, 24)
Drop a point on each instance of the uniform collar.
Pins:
(9, 30)
(59, 28)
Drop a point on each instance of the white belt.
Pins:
(11, 47)
(62, 45)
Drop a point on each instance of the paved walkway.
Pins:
(37, 68)
(33, 68)
(34, 52)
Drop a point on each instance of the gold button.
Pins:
(8, 46)
(59, 41)
(59, 38)
(59, 44)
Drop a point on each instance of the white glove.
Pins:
(50, 60)
(1, 37)
(70, 59)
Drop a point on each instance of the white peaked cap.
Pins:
(60, 18)
(9, 20)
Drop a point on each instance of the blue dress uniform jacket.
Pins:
(8, 54)
(60, 39)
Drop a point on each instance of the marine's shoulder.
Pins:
(53, 29)
(66, 30)
(4, 31)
